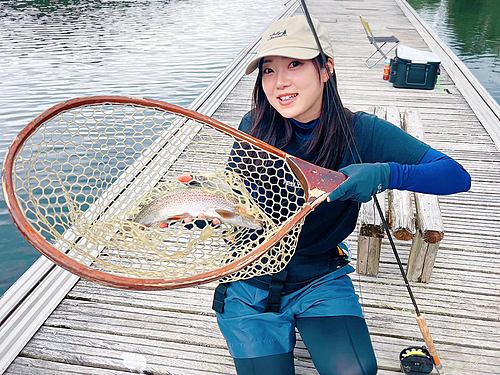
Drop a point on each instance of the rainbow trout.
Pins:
(191, 202)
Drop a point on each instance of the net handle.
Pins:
(317, 183)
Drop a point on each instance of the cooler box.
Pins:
(414, 69)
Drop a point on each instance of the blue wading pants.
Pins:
(327, 314)
(339, 345)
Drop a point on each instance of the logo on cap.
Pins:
(277, 34)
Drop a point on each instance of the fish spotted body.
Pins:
(189, 203)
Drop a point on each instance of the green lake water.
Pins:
(471, 28)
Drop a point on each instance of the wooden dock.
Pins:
(53, 323)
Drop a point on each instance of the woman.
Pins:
(296, 108)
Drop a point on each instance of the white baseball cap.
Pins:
(292, 37)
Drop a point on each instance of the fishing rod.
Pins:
(422, 324)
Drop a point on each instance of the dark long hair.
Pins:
(332, 136)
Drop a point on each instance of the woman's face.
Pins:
(293, 87)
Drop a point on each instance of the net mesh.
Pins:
(99, 183)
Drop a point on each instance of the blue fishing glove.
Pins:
(365, 180)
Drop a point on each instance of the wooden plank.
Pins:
(137, 356)
(35, 366)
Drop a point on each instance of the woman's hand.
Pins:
(365, 180)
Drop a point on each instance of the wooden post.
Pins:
(371, 230)
(401, 217)
(370, 237)
(430, 227)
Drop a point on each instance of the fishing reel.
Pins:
(416, 360)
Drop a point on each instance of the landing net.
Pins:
(83, 175)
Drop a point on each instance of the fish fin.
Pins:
(241, 211)
(178, 217)
(206, 232)
(225, 213)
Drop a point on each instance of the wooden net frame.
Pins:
(79, 174)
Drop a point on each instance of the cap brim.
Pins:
(291, 52)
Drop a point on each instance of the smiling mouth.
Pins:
(287, 97)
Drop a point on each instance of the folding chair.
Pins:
(375, 40)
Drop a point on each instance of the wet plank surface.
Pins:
(99, 330)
